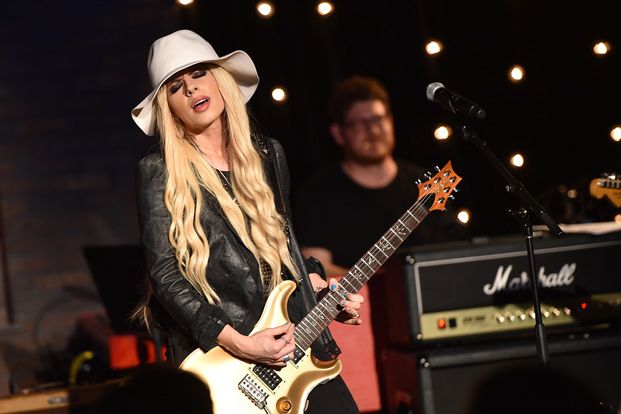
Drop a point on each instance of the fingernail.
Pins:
(333, 287)
(342, 303)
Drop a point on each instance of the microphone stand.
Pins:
(530, 207)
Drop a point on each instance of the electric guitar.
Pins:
(609, 185)
(240, 386)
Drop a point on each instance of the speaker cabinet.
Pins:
(507, 374)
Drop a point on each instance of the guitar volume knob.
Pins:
(284, 405)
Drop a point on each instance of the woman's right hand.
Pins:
(268, 346)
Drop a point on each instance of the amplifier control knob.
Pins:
(545, 313)
(531, 313)
(510, 317)
(521, 316)
(500, 318)
(567, 311)
(555, 312)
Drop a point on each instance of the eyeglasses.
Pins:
(365, 124)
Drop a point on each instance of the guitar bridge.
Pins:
(251, 389)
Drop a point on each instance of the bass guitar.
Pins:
(240, 386)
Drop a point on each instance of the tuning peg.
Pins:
(427, 175)
(456, 190)
(436, 168)
(418, 181)
(451, 197)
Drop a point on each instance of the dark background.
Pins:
(559, 117)
(71, 71)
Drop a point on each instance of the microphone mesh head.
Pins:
(431, 90)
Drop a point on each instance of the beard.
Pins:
(370, 152)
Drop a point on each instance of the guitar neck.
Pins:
(326, 310)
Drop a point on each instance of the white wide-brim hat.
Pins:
(180, 50)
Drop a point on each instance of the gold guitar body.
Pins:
(226, 375)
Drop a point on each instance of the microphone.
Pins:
(457, 104)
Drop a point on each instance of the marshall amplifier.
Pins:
(443, 292)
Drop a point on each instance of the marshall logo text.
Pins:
(504, 281)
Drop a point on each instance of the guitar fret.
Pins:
(332, 297)
(413, 216)
(313, 327)
(355, 283)
(359, 275)
(303, 331)
(369, 266)
(302, 342)
(322, 317)
(403, 224)
(350, 285)
(306, 329)
(400, 239)
(310, 332)
(324, 307)
(389, 243)
(369, 253)
(312, 317)
(382, 252)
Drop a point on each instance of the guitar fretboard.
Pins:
(327, 309)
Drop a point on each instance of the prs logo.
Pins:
(504, 281)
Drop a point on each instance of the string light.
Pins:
(517, 160)
(516, 73)
(433, 47)
(265, 9)
(325, 8)
(442, 132)
(615, 133)
(601, 48)
(279, 94)
(463, 216)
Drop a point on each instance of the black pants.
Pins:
(332, 397)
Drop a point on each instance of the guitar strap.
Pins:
(329, 350)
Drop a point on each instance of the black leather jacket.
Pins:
(189, 320)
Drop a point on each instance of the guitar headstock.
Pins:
(608, 185)
(440, 186)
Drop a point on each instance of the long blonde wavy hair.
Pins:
(188, 172)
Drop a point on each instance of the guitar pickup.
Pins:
(267, 375)
(298, 354)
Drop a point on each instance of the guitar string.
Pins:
(417, 209)
(418, 212)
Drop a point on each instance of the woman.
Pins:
(213, 210)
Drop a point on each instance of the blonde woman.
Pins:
(213, 209)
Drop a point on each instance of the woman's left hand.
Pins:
(350, 314)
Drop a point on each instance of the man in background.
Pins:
(341, 212)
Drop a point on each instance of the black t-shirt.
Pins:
(334, 212)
